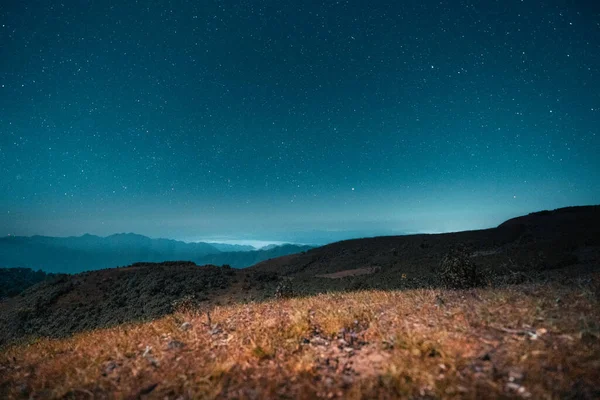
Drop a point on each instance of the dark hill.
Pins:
(15, 280)
(70, 303)
(527, 245)
(244, 259)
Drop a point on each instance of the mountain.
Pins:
(89, 252)
(272, 246)
(232, 248)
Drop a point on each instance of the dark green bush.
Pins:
(284, 289)
(458, 271)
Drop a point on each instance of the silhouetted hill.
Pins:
(88, 252)
(525, 245)
(248, 258)
(70, 303)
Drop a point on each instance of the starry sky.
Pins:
(294, 121)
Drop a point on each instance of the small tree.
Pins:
(284, 289)
(458, 271)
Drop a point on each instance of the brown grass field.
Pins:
(538, 341)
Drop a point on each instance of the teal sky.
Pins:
(293, 121)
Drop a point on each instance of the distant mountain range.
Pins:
(226, 247)
(89, 252)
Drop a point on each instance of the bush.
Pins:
(187, 303)
(458, 271)
(284, 289)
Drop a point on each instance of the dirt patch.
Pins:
(350, 272)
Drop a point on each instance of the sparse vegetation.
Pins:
(516, 341)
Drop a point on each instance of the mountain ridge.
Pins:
(73, 254)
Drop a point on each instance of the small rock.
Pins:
(462, 389)
(153, 361)
(319, 341)
(148, 356)
(148, 389)
(110, 366)
(541, 331)
(175, 344)
(515, 376)
(348, 349)
(513, 386)
(185, 326)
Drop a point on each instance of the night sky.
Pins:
(292, 120)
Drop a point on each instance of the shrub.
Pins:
(284, 289)
(184, 304)
(458, 271)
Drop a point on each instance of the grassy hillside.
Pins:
(67, 304)
(527, 341)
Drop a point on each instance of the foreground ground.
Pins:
(531, 341)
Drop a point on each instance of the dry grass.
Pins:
(535, 341)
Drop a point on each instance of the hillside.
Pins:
(244, 259)
(517, 249)
(66, 304)
(531, 341)
(15, 280)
